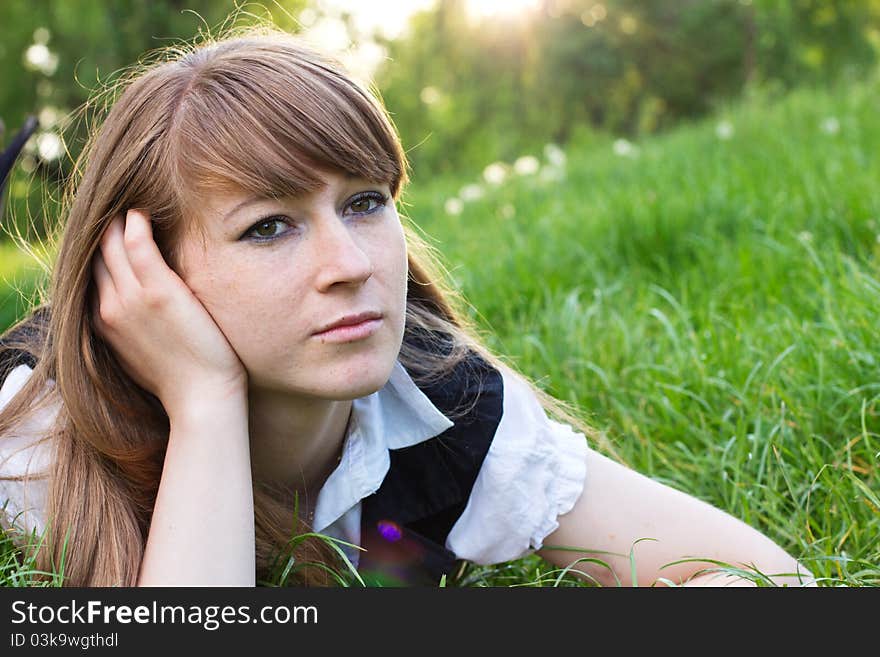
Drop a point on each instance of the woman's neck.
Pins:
(296, 443)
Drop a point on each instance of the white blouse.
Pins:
(533, 472)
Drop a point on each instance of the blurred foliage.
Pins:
(463, 91)
(54, 54)
(469, 92)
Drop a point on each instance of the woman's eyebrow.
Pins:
(251, 200)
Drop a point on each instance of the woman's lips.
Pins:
(350, 333)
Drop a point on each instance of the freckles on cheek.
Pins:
(218, 289)
(242, 300)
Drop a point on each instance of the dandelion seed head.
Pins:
(50, 146)
(28, 163)
(724, 130)
(551, 174)
(430, 95)
(38, 57)
(49, 116)
(41, 35)
(526, 165)
(625, 148)
(453, 206)
(470, 192)
(554, 155)
(830, 125)
(495, 173)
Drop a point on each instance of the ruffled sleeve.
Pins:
(534, 472)
(23, 502)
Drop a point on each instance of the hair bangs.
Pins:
(269, 122)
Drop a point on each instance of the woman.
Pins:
(243, 342)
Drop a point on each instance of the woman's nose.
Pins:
(339, 255)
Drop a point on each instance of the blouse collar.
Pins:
(397, 415)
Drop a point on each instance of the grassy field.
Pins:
(710, 298)
(19, 276)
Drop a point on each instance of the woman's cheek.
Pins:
(401, 263)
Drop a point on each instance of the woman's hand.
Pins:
(162, 335)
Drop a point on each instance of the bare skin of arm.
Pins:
(619, 506)
(202, 528)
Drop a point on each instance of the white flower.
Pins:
(526, 165)
(724, 130)
(551, 174)
(430, 95)
(49, 116)
(625, 148)
(41, 35)
(830, 125)
(38, 57)
(495, 173)
(50, 146)
(470, 192)
(453, 206)
(554, 155)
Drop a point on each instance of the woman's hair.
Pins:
(256, 110)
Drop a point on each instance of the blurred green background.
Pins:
(468, 82)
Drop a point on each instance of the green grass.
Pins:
(19, 278)
(712, 303)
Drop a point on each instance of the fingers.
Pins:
(127, 259)
(130, 253)
(105, 291)
(103, 279)
(112, 250)
(144, 256)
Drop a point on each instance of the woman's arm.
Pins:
(202, 529)
(619, 506)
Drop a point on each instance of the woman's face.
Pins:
(273, 273)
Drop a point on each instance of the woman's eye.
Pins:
(267, 229)
(367, 203)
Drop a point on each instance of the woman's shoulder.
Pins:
(23, 449)
(534, 472)
(25, 460)
(19, 349)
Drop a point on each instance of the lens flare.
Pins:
(389, 530)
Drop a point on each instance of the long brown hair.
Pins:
(256, 110)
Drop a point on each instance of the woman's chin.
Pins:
(333, 382)
(357, 386)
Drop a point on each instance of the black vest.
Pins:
(404, 524)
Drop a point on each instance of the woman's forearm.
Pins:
(202, 529)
